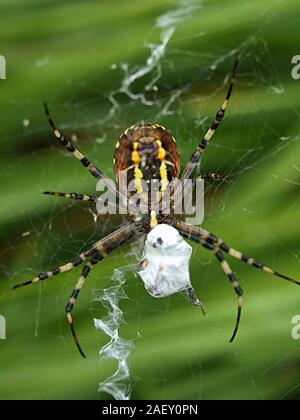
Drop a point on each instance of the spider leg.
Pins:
(46, 274)
(120, 235)
(253, 263)
(197, 234)
(197, 155)
(194, 300)
(211, 176)
(73, 196)
(227, 270)
(195, 158)
(103, 248)
(77, 154)
(238, 290)
(216, 245)
(111, 208)
(69, 307)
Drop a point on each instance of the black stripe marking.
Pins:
(85, 161)
(257, 264)
(215, 125)
(75, 293)
(69, 307)
(71, 148)
(207, 245)
(77, 262)
(224, 247)
(86, 270)
(63, 140)
(220, 115)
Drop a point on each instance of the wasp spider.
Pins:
(148, 152)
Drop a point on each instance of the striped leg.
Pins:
(118, 236)
(216, 245)
(103, 248)
(211, 131)
(211, 176)
(227, 270)
(73, 196)
(111, 208)
(252, 262)
(78, 155)
(85, 272)
(194, 300)
(199, 235)
(46, 274)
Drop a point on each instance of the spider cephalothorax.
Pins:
(147, 154)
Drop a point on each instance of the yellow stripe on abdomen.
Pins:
(164, 176)
(138, 176)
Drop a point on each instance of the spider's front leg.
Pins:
(63, 140)
(195, 158)
(73, 196)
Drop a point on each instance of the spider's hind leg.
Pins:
(96, 254)
(211, 176)
(211, 242)
(238, 290)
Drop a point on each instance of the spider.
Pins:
(149, 152)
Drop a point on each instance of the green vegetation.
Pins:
(63, 52)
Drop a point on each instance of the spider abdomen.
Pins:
(146, 153)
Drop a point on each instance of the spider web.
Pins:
(145, 86)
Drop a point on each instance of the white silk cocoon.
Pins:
(164, 268)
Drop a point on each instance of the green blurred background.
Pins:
(78, 55)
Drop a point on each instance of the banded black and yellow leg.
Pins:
(73, 196)
(195, 158)
(238, 290)
(201, 235)
(70, 305)
(106, 244)
(47, 274)
(102, 249)
(62, 139)
(211, 176)
(195, 300)
(252, 262)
